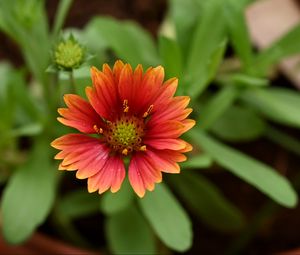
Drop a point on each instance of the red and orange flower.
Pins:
(133, 114)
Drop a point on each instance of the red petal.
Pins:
(79, 114)
(165, 143)
(118, 67)
(166, 160)
(173, 110)
(126, 84)
(101, 107)
(168, 129)
(104, 96)
(136, 179)
(110, 176)
(188, 124)
(142, 173)
(83, 153)
(167, 91)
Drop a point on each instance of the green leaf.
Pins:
(27, 130)
(214, 62)
(285, 140)
(7, 102)
(238, 31)
(278, 104)
(115, 202)
(29, 195)
(207, 201)
(128, 40)
(256, 173)
(206, 41)
(217, 105)
(171, 57)
(286, 46)
(238, 123)
(78, 204)
(26, 23)
(128, 233)
(61, 13)
(184, 15)
(198, 161)
(248, 80)
(168, 218)
(28, 106)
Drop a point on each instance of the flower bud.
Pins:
(68, 54)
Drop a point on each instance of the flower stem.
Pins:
(72, 82)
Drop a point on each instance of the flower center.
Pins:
(125, 135)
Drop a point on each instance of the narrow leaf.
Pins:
(261, 176)
(207, 201)
(238, 31)
(205, 42)
(278, 104)
(137, 46)
(78, 204)
(28, 197)
(217, 105)
(61, 13)
(162, 211)
(283, 139)
(198, 161)
(171, 57)
(238, 123)
(115, 202)
(286, 46)
(128, 233)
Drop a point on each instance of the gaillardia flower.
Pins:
(131, 114)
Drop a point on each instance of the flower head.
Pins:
(134, 115)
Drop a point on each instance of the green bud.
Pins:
(68, 54)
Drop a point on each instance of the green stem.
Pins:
(72, 82)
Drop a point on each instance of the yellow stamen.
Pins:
(146, 114)
(98, 130)
(125, 105)
(125, 152)
(143, 148)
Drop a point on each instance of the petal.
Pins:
(100, 106)
(142, 174)
(173, 110)
(104, 95)
(166, 160)
(188, 147)
(146, 88)
(125, 86)
(110, 176)
(165, 143)
(79, 114)
(70, 141)
(119, 175)
(83, 153)
(166, 92)
(188, 124)
(118, 67)
(168, 129)
(136, 179)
